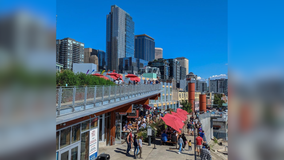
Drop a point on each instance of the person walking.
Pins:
(136, 147)
(198, 144)
(189, 127)
(189, 145)
(128, 140)
(202, 135)
(184, 141)
(192, 128)
(140, 146)
(205, 153)
(180, 142)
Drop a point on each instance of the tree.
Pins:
(218, 100)
(186, 106)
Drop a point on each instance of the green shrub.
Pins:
(80, 79)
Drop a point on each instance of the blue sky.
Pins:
(196, 30)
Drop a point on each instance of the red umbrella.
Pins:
(101, 76)
(181, 116)
(133, 77)
(181, 111)
(115, 76)
(173, 122)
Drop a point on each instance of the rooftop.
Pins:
(142, 35)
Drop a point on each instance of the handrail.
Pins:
(85, 97)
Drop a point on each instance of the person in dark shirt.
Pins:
(184, 141)
(174, 138)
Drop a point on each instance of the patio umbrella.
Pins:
(133, 77)
(181, 116)
(101, 76)
(173, 122)
(181, 111)
(114, 75)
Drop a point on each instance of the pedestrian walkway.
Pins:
(163, 152)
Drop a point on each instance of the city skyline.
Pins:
(206, 57)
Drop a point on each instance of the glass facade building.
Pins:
(144, 47)
(119, 37)
(131, 65)
(174, 66)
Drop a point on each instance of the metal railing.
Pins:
(73, 99)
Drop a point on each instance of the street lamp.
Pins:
(149, 134)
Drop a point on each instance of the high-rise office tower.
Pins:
(69, 51)
(119, 36)
(183, 62)
(174, 67)
(158, 53)
(144, 47)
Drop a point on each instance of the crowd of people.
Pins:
(202, 148)
(133, 126)
(147, 117)
(120, 82)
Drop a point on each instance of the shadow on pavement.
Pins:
(181, 152)
(121, 149)
(117, 151)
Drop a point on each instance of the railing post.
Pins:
(59, 100)
(85, 97)
(73, 100)
(120, 87)
(115, 91)
(109, 90)
(95, 95)
(103, 93)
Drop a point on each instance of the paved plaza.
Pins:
(163, 152)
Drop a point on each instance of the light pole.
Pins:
(149, 133)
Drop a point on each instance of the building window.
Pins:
(57, 140)
(94, 123)
(85, 126)
(65, 137)
(76, 133)
(85, 146)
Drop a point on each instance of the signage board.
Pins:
(93, 150)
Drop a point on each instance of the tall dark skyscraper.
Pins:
(144, 47)
(119, 36)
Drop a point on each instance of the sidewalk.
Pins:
(163, 152)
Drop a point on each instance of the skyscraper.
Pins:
(144, 47)
(119, 36)
(183, 62)
(69, 51)
(174, 66)
(158, 53)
